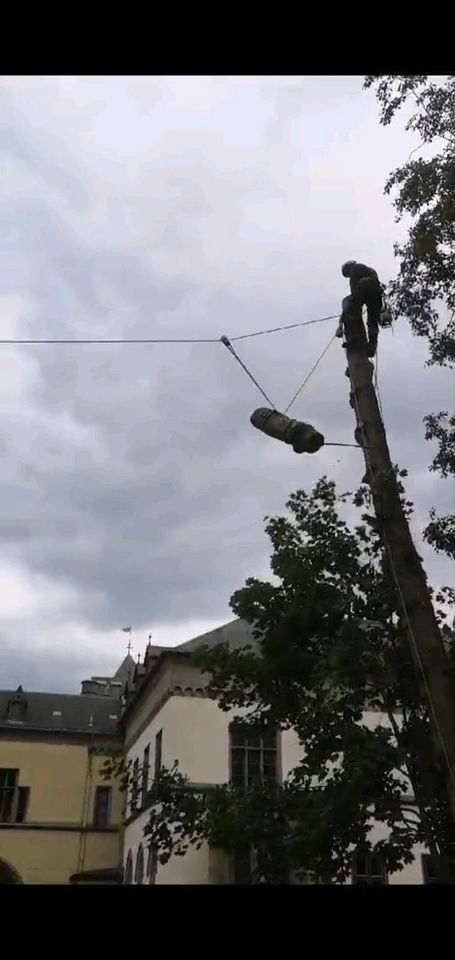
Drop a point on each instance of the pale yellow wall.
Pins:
(193, 868)
(102, 850)
(139, 716)
(55, 773)
(40, 856)
(62, 778)
(291, 752)
(195, 732)
(43, 856)
(57, 776)
(171, 674)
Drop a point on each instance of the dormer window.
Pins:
(17, 706)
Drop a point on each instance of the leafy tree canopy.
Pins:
(330, 643)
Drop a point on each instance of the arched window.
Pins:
(152, 865)
(128, 874)
(139, 871)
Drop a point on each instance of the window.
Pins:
(246, 868)
(102, 806)
(13, 798)
(145, 774)
(431, 869)
(17, 707)
(369, 871)
(128, 874)
(152, 865)
(139, 871)
(158, 752)
(8, 782)
(254, 755)
(22, 804)
(135, 786)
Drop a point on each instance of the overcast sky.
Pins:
(133, 487)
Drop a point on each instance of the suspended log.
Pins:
(301, 436)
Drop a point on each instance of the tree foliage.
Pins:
(424, 290)
(330, 642)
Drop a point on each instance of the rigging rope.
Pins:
(244, 336)
(108, 341)
(225, 340)
(289, 326)
(376, 384)
(307, 378)
(228, 344)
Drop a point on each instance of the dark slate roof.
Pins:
(155, 650)
(125, 670)
(62, 711)
(236, 634)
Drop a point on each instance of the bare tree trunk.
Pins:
(432, 665)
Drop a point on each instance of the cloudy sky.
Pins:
(133, 487)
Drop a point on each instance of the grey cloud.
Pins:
(71, 283)
(49, 673)
(21, 150)
(148, 524)
(46, 671)
(132, 474)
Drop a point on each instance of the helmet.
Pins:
(346, 268)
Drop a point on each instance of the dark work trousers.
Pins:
(369, 293)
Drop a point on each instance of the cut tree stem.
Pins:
(433, 670)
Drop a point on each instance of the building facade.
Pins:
(60, 820)
(169, 718)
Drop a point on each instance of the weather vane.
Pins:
(128, 630)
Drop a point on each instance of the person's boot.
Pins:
(372, 327)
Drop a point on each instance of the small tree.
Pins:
(330, 645)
